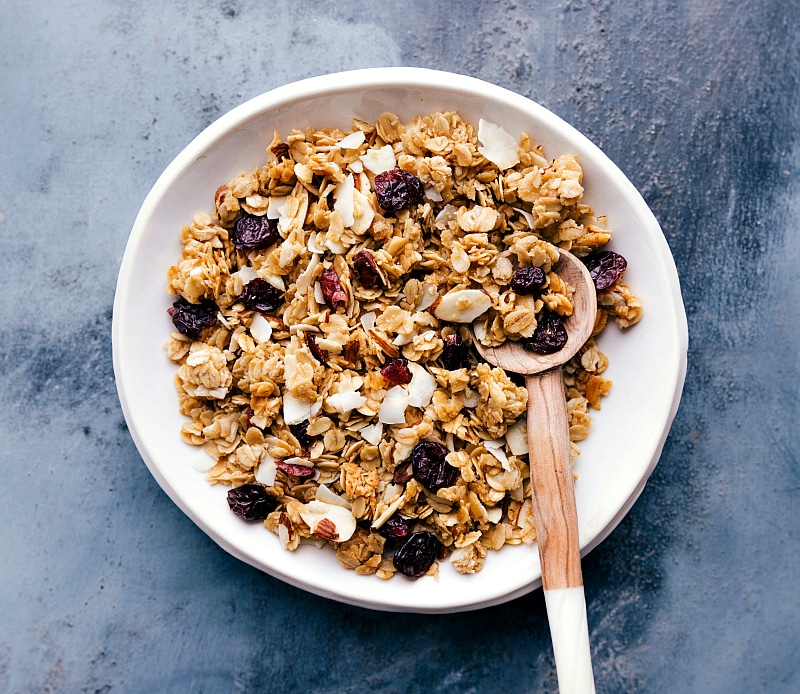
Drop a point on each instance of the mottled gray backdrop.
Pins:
(105, 586)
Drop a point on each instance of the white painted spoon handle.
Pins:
(569, 630)
(556, 519)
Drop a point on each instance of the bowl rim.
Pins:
(410, 78)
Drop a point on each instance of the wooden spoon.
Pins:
(551, 478)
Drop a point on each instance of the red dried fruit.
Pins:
(314, 348)
(251, 502)
(429, 467)
(394, 530)
(527, 280)
(366, 269)
(192, 319)
(605, 268)
(252, 232)
(294, 469)
(550, 334)
(397, 526)
(398, 190)
(335, 296)
(455, 354)
(416, 555)
(260, 295)
(397, 372)
(402, 473)
(300, 432)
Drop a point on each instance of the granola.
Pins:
(299, 399)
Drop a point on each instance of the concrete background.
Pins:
(105, 586)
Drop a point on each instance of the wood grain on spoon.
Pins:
(554, 508)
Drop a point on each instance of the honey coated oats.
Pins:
(322, 341)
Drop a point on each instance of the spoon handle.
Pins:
(556, 520)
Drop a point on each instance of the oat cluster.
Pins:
(294, 399)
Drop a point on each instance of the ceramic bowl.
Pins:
(647, 363)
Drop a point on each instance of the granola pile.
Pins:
(322, 338)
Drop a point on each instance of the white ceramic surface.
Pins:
(647, 363)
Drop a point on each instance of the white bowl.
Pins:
(647, 364)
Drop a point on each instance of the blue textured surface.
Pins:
(105, 586)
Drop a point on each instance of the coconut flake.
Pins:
(421, 387)
(497, 145)
(393, 407)
(343, 200)
(356, 166)
(528, 216)
(447, 213)
(463, 305)
(298, 460)
(295, 410)
(494, 514)
(352, 141)
(326, 496)
(246, 274)
(379, 160)
(368, 320)
(471, 398)
(432, 194)
(267, 469)
(402, 340)
(313, 246)
(260, 328)
(372, 433)
(304, 281)
(517, 437)
(363, 220)
(346, 401)
(202, 462)
(314, 512)
(275, 206)
(496, 449)
(319, 295)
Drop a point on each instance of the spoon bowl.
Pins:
(555, 512)
(512, 356)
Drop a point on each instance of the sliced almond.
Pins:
(329, 521)
(463, 305)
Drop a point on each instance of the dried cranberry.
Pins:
(252, 232)
(192, 319)
(251, 502)
(335, 296)
(294, 469)
(605, 268)
(397, 372)
(455, 354)
(314, 348)
(429, 467)
(394, 530)
(402, 473)
(300, 432)
(366, 269)
(260, 295)
(416, 555)
(398, 190)
(527, 280)
(550, 334)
